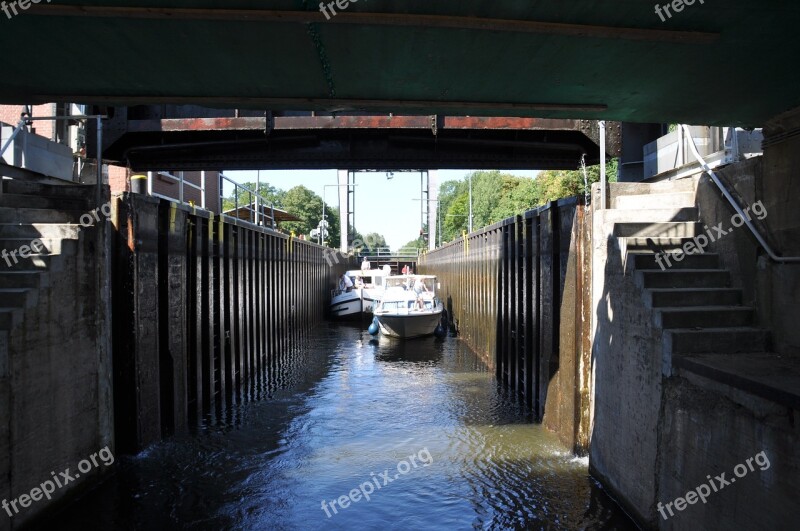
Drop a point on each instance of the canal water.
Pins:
(389, 434)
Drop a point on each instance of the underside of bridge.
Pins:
(667, 374)
(195, 138)
(699, 62)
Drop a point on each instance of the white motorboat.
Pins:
(409, 307)
(358, 293)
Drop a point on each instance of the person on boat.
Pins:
(345, 284)
(406, 269)
(419, 289)
(365, 265)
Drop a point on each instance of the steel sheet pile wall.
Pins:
(517, 294)
(207, 314)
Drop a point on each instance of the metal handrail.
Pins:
(255, 213)
(734, 204)
(182, 182)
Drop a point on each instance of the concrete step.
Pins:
(675, 186)
(14, 297)
(704, 317)
(52, 246)
(656, 201)
(672, 297)
(679, 229)
(39, 215)
(765, 374)
(67, 191)
(40, 230)
(50, 203)
(19, 279)
(716, 340)
(645, 261)
(655, 215)
(684, 278)
(34, 262)
(646, 245)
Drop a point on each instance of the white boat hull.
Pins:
(410, 325)
(369, 300)
(346, 305)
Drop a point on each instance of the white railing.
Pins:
(746, 218)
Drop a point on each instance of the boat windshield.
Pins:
(393, 306)
(418, 283)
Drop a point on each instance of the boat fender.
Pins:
(373, 327)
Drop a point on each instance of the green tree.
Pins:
(455, 219)
(413, 246)
(334, 227)
(497, 196)
(557, 184)
(306, 205)
(270, 193)
(374, 241)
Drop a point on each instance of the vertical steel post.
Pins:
(602, 165)
(469, 222)
(344, 180)
(99, 185)
(203, 189)
(258, 195)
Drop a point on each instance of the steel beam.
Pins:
(379, 19)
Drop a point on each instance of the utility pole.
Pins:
(603, 177)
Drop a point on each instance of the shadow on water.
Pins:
(356, 410)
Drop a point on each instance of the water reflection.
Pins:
(347, 410)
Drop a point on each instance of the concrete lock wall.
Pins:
(655, 437)
(206, 313)
(517, 295)
(55, 380)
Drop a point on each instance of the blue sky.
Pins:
(385, 206)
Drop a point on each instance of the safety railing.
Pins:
(182, 185)
(254, 205)
(385, 252)
(714, 177)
